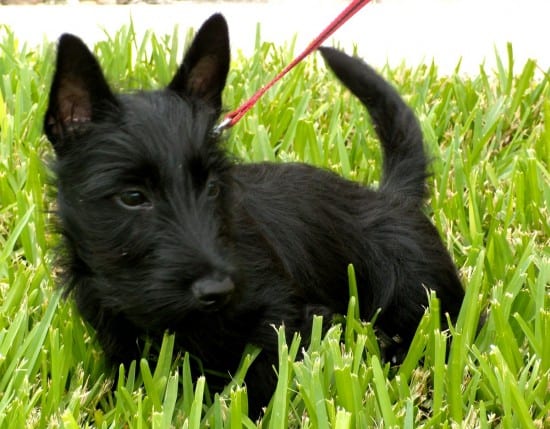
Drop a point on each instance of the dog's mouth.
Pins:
(214, 305)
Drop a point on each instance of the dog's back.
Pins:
(421, 260)
(316, 222)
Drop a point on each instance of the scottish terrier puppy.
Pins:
(164, 231)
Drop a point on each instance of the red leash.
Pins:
(233, 117)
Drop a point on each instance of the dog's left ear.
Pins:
(206, 64)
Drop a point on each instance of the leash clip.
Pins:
(221, 127)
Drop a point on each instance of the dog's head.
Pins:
(143, 184)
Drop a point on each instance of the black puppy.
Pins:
(163, 231)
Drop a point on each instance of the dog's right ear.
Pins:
(79, 93)
(204, 69)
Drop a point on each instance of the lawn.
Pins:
(489, 136)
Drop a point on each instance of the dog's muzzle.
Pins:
(213, 294)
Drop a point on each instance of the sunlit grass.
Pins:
(489, 137)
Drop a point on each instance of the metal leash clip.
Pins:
(221, 127)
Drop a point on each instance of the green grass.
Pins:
(490, 140)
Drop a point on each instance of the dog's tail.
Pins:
(405, 162)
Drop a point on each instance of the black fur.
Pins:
(163, 231)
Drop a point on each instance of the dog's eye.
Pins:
(133, 199)
(212, 189)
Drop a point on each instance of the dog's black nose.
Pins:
(212, 293)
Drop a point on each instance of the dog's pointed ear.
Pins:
(79, 93)
(204, 69)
